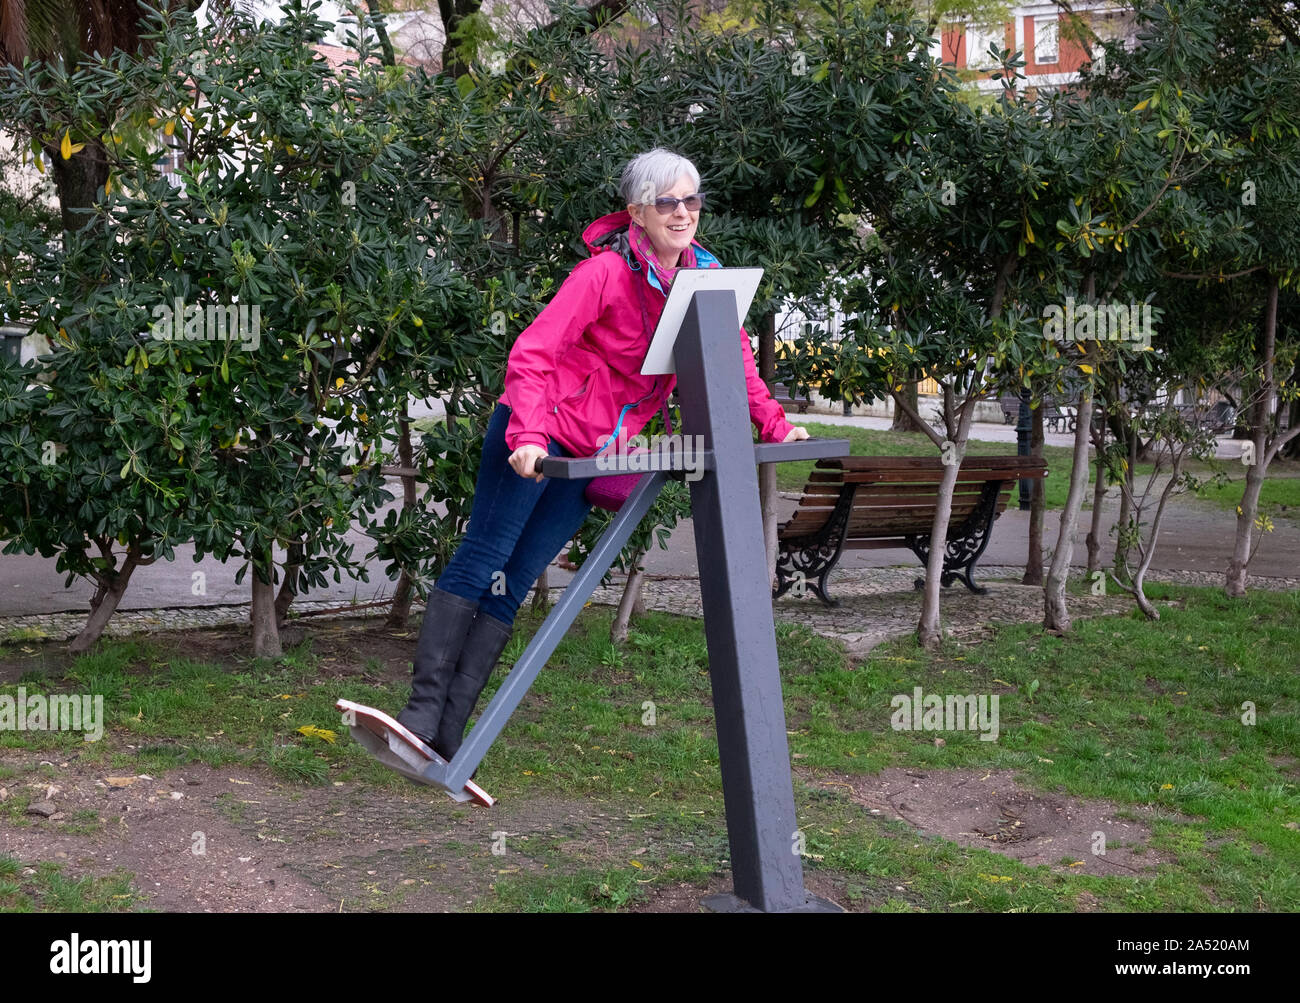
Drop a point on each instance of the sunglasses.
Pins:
(668, 206)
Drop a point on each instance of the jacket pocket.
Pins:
(575, 392)
(586, 383)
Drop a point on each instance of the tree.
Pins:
(1232, 84)
(298, 203)
(66, 35)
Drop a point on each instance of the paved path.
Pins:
(1197, 538)
(875, 605)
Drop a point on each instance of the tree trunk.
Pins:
(1056, 614)
(767, 496)
(1037, 505)
(1148, 551)
(542, 590)
(377, 23)
(1235, 583)
(79, 181)
(104, 604)
(401, 608)
(266, 635)
(1098, 497)
(1144, 604)
(903, 421)
(1178, 448)
(627, 604)
(929, 632)
(453, 12)
(1125, 508)
(284, 599)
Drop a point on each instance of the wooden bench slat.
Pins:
(868, 508)
(873, 494)
(921, 517)
(960, 503)
(910, 477)
(926, 462)
(967, 485)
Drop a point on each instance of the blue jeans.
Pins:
(516, 527)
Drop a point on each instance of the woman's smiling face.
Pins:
(673, 233)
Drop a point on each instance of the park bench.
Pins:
(1060, 419)
(884, 502)
(1218, 419)
(781, 394)
(1055, 417)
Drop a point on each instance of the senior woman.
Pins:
(573, 386)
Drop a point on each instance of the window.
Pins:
(978, 38)
(1046, 45)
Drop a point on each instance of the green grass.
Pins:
(1137, 713)
(1279, 496)
(16, 635)
(588, 890)
(49, 889)
(1144, 715)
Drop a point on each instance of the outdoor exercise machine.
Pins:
(753, 754)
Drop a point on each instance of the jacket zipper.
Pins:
(622, 414)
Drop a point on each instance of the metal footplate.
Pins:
(401, 750)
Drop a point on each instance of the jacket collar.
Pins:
(609, 233)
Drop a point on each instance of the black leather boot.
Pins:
(447, 621)
(487, 639)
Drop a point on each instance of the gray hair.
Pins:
(648, 174)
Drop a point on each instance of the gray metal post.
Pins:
(1024, 426)
(753, 755)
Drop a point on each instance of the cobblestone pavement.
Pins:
(876, 604)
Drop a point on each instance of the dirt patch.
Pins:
(1286, 765)
(164, 831)
(237, 839)
(988, 809)
(33, 660)
(234, 839)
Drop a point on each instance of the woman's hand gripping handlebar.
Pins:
(526, 461)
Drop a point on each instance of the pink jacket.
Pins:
(577, 367)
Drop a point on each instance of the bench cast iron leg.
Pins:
(965, 543)
(802, 558)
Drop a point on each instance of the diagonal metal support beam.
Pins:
(490, 724)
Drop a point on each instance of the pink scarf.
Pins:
(641, 242)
